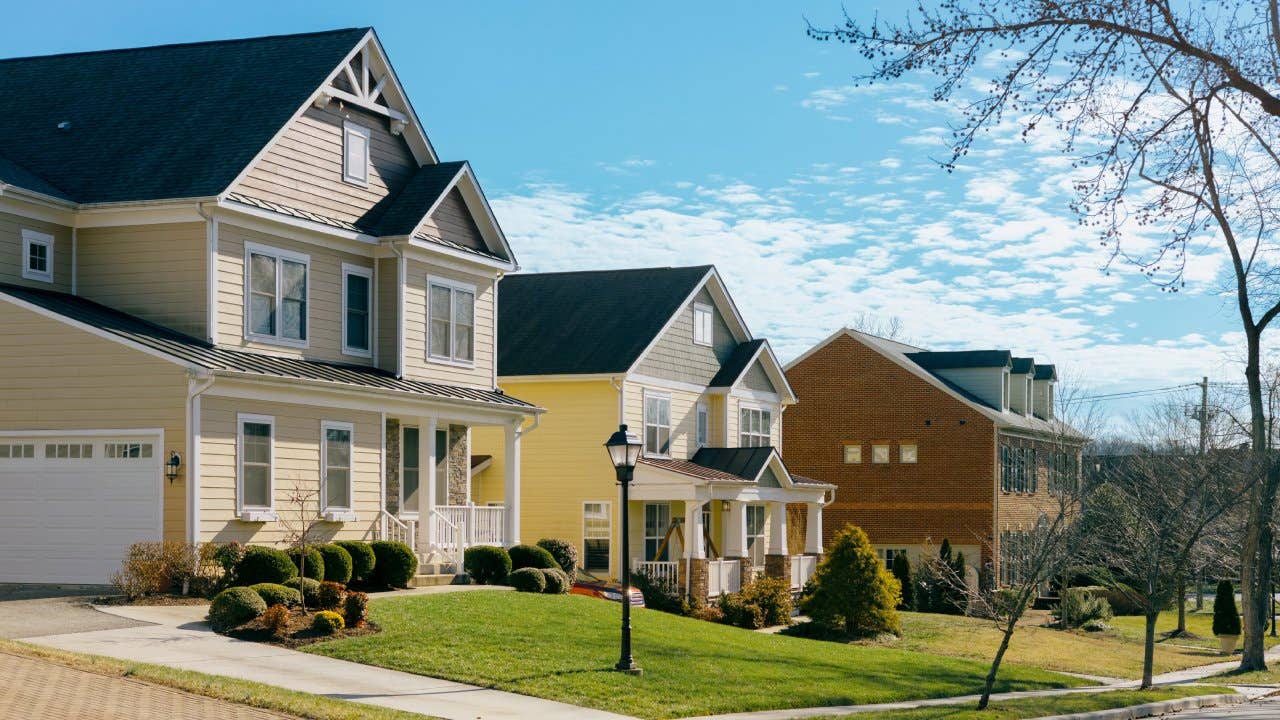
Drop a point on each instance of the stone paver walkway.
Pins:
(35, 688)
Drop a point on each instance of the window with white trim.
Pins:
(276, 296)
(68, 451)
(335, 453)
(355, 153)
(703, 430)
(37, 256)
(657, 424)
(657, 520)
(702, 324)
(755, 534)
(880, 454)
(17, 451)
(255, 474)
(907, 452)
(409, 470)
(357, 310)
(888, 554)
(127, 450)
(754, 427)
(852, 454)
(451, 321)
(597, 533)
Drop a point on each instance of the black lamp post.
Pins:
(624, 451)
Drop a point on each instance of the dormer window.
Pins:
(702, 324)
(355, 154)
(37, 256)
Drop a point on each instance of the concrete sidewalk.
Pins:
(180, 638)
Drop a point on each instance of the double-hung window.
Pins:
(596, 535)
(657, 424)
(355, 153)
(755, 534)
(37, 256)
(335, 454)
(657, 520)
(754, 427)
(704, 425)
(256, 459)
(451, 321)
(702, 324)
(357, 310)
(277, 295)
(410, 477)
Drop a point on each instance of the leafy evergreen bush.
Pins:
(394, 564)
(528, 579)
(355, 609)
(329, 596)
(659, 595)
(274, 594)
(486, 564)
(565, 554)
(362, 559)
(902, 571)
(309, 588)
(235, 606)
(739, 613)
(337, 562)
(557, 581)
(1226, 619)
(531, 556)
(315, 561)
(262, 564)
(852, 590)
(1080, 605)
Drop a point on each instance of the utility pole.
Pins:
(1204, 414)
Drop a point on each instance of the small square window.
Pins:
(37, 256)
(852, 454)
(355, 154)
(907, 452)
(880, 454)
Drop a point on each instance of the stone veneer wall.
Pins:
(778, 566)
(459, 465)
(393, 466)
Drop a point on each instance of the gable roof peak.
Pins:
(189, 44)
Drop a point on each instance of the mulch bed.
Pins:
(164, 599)
(299, 631)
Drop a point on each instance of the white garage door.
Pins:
(71, 504)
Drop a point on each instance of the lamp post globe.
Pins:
(624, 452)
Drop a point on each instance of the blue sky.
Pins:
(686, 133)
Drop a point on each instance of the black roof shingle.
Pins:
(961, 359)
(744, 462)
(737, 363)
(1022, 365)
(403, 214)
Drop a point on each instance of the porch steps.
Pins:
(433, 574)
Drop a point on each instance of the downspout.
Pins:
(197, 384)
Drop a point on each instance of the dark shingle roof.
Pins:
(744, 462)
(1046, 372)
(403, 214)
(586, 322)
(1022, 366)
(172, 121)
(961, 359)
(737, 363)
(12, 173)
(200, 353)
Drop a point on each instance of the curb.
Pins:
(1155, 708)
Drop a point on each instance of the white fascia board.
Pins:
(38, 202)
(432, 252)
(149, 212)
(779, 376)
(586, 377)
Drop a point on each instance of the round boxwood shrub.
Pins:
(529, 580)
(564, 552)
(486, 564)
(309, 588)
(337, 563)
(330, 595)
(394, 565)
(362, 559)
(264, 565)
(531, 556)
(327, 621)
(315, 562)
(273, 594)
(557, 581)
(235, 606)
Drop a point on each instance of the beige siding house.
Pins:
(288, 293)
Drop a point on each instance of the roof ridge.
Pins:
(194, 43)
(612, 270)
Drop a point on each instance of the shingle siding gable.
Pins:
(676, 357)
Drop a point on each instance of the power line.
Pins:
(1140, 393)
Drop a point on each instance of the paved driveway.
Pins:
(34, 610)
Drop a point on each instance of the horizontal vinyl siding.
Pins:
(684, 417)
(157, 272)
(452, 221)
(56, 377)
(303, 168)
(11, 258)
(297, 463)
(324, 311)
(417, 365)
(676, 357)
(388, 314)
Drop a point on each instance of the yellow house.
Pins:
(665, 352)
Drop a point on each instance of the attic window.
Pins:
(702, 324)
(355, 154)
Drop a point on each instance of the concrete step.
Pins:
(437, 579)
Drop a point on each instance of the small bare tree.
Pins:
(299, 522)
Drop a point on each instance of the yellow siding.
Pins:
(157, 272)
(417, 365)
(324, 312)
(57, 377)
(11, 259)
(297, 464)
(684, 417)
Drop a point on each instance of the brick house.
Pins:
(925, 446)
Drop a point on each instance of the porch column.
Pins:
(813, 529)
(735, 530)
(427, 500)
(695, 543)
(777, 561)
(511, 486)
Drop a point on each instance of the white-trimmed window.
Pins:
(37, 256)
(335, 456)
(880, 454)
(888, 554)
(597, 533)
(702, 324)
(754, 426)
(17, 451)
(355, 153)
(451, 321)
(907, 452)
(410, 475)
(127, 450)
(657, 521)
(703, 430)
(852, 453)
(68, 451)
(255, 476)
(357, 310)
(657, 424)
(276, 295)
(755, 534)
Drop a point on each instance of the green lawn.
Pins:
(1040, 707)
(1199, 629)
(562, 647)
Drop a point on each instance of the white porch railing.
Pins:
(398, 530)
(723, 576)
(665, 573)
(802, 568)
(455, 528)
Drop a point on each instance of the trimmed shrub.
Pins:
(261, 564)
(557, 581)
(327, 621)
(394, 563)
(276, 619)
(1226, 619)
(659, 595)
(155, 567)
(228, 556)
(564, 553)
(355, 609)
(337, 562)
(486, 564)
(773, 597)
(1080, 605)
(528, 580)
(273, 594)
(362, 559)
(531, 556)
(1123, 600)
(1005, 602)
(315, 562)
(330, 595)
(235, 606)
(851, 588)
(740, 614)
(902, 571)
(309, 588)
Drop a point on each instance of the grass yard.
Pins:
(1040, 707)
(563, 647)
